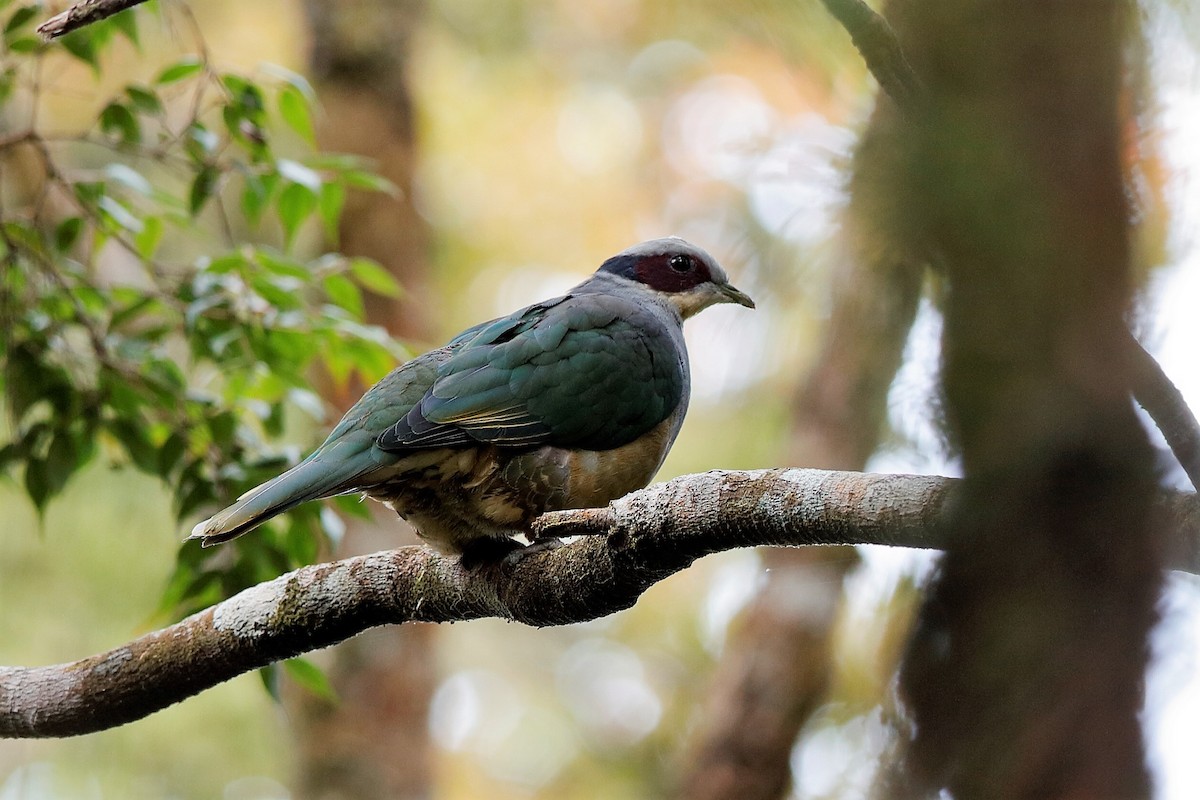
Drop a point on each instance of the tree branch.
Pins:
(880, 49)
(640, 540)
(82, 14)
(1157, 394)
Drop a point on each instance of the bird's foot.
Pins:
(488, 551)
(541, 545)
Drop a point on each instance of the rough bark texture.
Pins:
(1025, 674)
(633, 543)
(373, 742)
(83, 14)
(776, 667)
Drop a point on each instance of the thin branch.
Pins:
(637, 541)
(1162, 400)
(81, 15)
(880, 49)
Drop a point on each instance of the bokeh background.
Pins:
(544, 137)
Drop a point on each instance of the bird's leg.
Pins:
(548, 543)
(488, 550)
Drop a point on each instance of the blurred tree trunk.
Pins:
(374, 742)
(776, 667)
(1025, 675)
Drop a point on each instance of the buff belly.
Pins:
(453, 497)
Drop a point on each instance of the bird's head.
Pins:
(687, 277)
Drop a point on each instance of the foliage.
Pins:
(133, 328)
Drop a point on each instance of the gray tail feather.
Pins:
(309, 480)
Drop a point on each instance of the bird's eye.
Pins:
(680, 263)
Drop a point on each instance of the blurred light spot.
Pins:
(475, 710)
(719, 128)
(1173, 691)
(733, 585)
(29, 782)
(796, 187)
(609, 19)
(665, 61)
(537, 752)
(503, 288)
(449, 193)
(912, 405)
(840, 760)
(599, 129)
(604, 685)
(727, 346)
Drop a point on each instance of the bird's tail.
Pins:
(313, 478)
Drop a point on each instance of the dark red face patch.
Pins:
(671, 272)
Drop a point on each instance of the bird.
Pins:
(568, 403)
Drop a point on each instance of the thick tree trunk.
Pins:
(1025, 676)
(373, 742)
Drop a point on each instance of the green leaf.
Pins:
(244, 93)
(375, 278)
(192, 494)
(149, 238)
(296, 203)
(117, 120)
(257, 194)
(352, 505)
(333, 198)
(20, 17)
(203, 186)
(295, 112)
(311, 677)
(26, 44)
(26, 380)
(62, 459)
(82, 44)
(344, 293)
(131, 433)
(132, 311)
(9, 454)
(143, 99)
(37, 483)
(181, 69)
(67, 233)
(372, 182)
(171, 452)
(201, 142)
(126, 23)
(7, 79)
(282, 265)
(269, 675)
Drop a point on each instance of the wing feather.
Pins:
(588, 371)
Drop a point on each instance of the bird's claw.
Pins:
(541, 545)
